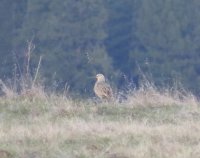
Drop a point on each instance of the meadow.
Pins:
(148, 123)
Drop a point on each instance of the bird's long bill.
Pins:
(92, 77)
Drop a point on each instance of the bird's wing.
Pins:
(106, 90)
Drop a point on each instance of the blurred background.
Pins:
(119, 38)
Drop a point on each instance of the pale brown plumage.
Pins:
(102, 89)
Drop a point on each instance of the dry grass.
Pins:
(150, 123)
(149, 95)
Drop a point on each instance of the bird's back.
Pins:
(103, 90)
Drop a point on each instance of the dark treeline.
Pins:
(79, 38)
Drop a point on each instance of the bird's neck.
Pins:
(101, 80)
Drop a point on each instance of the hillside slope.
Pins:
(147, 124)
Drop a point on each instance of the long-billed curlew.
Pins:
(102, 89)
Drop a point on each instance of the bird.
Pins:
(102, 89)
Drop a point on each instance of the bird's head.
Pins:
(100, 78)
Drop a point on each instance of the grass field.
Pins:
(149, 124)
